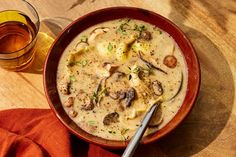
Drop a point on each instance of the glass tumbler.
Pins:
(19, 26)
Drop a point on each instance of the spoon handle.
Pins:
(130, 149)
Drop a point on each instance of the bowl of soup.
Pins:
(107, 68)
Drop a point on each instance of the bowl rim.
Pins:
(122, 144)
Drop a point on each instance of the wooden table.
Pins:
(210, 129)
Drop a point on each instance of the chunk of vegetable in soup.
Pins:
(111, 74)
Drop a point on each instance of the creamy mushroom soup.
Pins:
(111, 73)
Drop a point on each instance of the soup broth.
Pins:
(112, 73)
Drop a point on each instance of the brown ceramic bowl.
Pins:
(70, 32)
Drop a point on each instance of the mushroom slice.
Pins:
(130, 96)
(114, 95)
(64, 86)
(157, 88)
(111, 67)
(85, 101)
(150, 64)
(146, 35)
(117, 95)
(72, 113)
(122, 95)
(69, 102)
(88, 105)
(96, 32)
(111, 118)
(170, 61)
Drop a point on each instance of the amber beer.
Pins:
(17, 39)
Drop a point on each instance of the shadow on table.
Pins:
(214, 104)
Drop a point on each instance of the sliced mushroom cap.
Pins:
(69, 102)
(111, 118)
(149, 64)
(170, 61)
(111, 67)
(143, 73)
(114, 95)
(146, 35)
(96, 32)
(130, 96)
(122, 95)
(64, 86)
(87, 104)
(117, 95)
(157, 88)
(72, 113)
(85, 100)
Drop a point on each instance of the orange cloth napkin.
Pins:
(38, 133)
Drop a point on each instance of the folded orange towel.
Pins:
(37, 133)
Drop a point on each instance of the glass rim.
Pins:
(36, 33)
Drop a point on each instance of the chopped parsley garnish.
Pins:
(124, 27)
(157, 29)
(83, 63)
(136, 70)
(139, 28)
(103, 91)
(95, 96)
(111, 132)
(72, 78)
(84, 38)
(110, 47)
(124, 131)
(91, 122)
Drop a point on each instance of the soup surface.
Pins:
(112, 73)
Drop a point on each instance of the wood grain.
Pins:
(209, 131)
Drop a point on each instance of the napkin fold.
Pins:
(38, 133)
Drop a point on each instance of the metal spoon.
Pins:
(134, 142)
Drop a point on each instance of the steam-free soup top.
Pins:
(112, 73)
